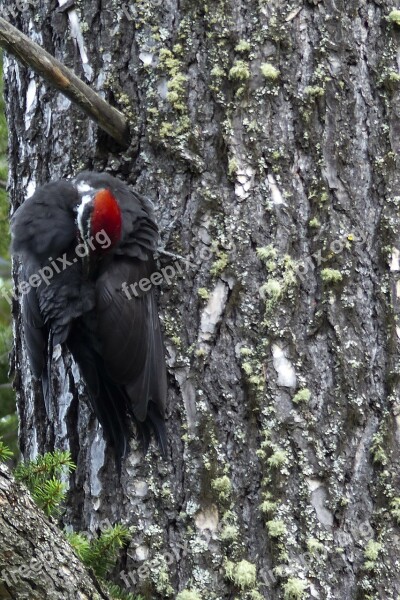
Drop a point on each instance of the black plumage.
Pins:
(114, 337)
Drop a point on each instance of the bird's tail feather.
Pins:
(107, 399)
(111, 411)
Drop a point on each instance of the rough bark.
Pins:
(304, 164)
(36, 562)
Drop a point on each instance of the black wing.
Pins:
(119, 349)
(132, 345)
(42, 228)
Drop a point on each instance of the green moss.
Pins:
(371, 553)
(372, 550)
(303, 395)
(232, 167)
(223, 486)
(323, 197)
(203, 293)
(257, 381)
(188, 595)
(395, 509)
(276, 528)
(242, 46)
(178, 49)
(246, 351)
(172, 133)
(229, 533)
(162, 581)
(219, 265)
(247, 368)
(242, 574)
(314, 91)
(294, 589)
(314, 223)
(377, 451)
(394, 17)
(277, 459)
(268, 506)
(168, 61)
(176, 340)
(270, 72)
(240, 71)
(393, 77)
(267, 253)
(314, 546)
(331, 275)
(166, 130)
(217, 71)
(176, 91)
(254, 595)
(272, 288)
(253, 369)
(281, 285)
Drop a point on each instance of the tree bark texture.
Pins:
(267, 135)
(36, 561)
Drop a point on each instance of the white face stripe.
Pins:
(85, 200)
(83, 187)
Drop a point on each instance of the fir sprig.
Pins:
(49, 495)
(117, 593)
(100, 554)
(5, 452)
(80, 544)
(42, 477)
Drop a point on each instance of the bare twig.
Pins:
(3, 184)
(108, 118)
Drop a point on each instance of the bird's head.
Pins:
(99, 219)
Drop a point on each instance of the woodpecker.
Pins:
(83, 243)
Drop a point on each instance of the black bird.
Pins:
(84, 243)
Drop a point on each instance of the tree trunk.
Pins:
(268, 137)
(36, 561)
